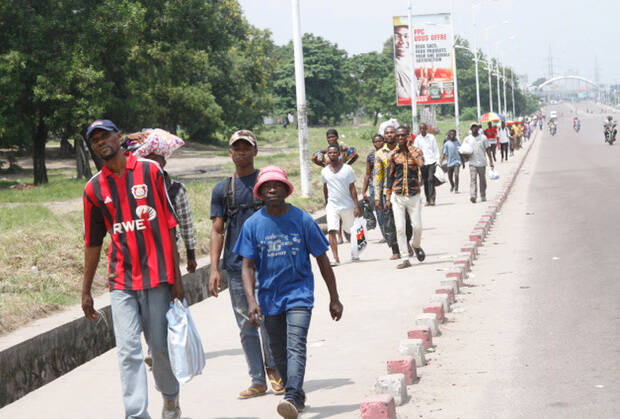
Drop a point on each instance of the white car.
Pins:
(553, 114)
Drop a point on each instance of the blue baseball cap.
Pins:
(104, 124)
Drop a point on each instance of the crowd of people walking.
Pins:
(265, 243)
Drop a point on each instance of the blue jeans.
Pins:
(250, 336)
(288, 334)
(134, 312)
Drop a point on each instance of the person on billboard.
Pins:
(402, 59)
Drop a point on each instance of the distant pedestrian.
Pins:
(477, 163)
(503, 135)
(368, 189)
(340, 199)
(275, 244)
(347, 154)
(232, 203)
(128, 200)
(451, 153)
(403, 192)
(491, 134)
(379, 181)
(428, 144)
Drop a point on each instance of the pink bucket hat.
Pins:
(270, 173)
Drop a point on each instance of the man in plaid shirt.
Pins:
(158, 145)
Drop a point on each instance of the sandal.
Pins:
(277, 386)
(252, 391)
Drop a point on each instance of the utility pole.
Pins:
(414, 79)
(489, 70)
(476, 63)
(504, 82)
(499, 98)
(512, 82)
(456, 85)
(302, 118)
(550, 63)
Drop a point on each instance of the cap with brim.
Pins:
(245, 135)
(104, 124)
(474, 124)
(269, 174)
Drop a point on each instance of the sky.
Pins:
(578, 33)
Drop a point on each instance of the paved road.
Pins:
(540, 335)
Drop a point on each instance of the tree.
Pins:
(197, 64)
(370, 88)
(325, 78)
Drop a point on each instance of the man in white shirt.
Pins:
(427, 143)
(503, 134)
(477, 163)
(340, 198)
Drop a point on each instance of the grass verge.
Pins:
(41, 251)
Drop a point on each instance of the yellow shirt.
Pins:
(380, 177)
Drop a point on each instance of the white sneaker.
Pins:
(171, 409)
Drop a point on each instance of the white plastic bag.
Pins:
(493, 175)
(358, 237)
(187, 356)
(440, 176)
(466, 149)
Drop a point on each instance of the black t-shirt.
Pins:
(219, 208)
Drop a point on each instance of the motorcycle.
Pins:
(553, 129)
(610, 135)
(576, 126)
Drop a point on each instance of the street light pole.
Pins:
(414, 79)
(512, 82)
(499, 98)
(504, 83)
(456, 84)
(489, 69)
(476, 60)
(300, 89)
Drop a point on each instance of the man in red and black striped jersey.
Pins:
(128, 200)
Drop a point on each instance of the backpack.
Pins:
(232, 208)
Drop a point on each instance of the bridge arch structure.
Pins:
(560, 78)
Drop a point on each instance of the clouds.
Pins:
(575, 31)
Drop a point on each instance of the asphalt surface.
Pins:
(540, 332)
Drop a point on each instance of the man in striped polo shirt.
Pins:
(128, 200)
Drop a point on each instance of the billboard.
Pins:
(434, 68)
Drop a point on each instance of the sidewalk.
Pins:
(344, 358)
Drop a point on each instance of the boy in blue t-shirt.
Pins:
(276, 243)
(450, 152)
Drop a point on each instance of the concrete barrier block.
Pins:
(428, 320)
(476, 237)
(394, 385)
(414, 348)
(405, 366)
(452, 284)
(445, 294)
(423, 333)
(463, 261)
(471, 250)
(480, 229)
(444, 299)
(378, 406)
(447, 291)
(437, 308)
(455, 273)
